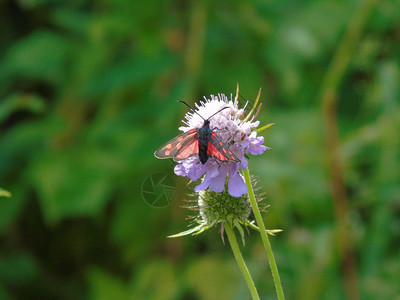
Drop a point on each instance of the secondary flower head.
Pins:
(236, 130)
(218, 208)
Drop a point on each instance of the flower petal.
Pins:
(180, 170)
(236, 185)
(238, 150)
(217, 184)
(244, 163)
(255, 146)
(196, 171)
(204, 184)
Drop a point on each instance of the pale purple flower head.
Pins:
(236, 132)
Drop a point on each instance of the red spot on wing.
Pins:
(172, 148)
(189, 150)
(218, 150)
(214, 152)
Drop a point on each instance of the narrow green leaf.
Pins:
(254, 106)
(259, 130)
(196, 230)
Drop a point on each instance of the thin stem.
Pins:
(240, 261)
(329, 100)
(264, 236)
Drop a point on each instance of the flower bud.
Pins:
(219, 207)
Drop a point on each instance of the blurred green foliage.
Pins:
(88, 91)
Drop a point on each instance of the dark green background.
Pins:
(88, 92)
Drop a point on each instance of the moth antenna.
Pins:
(191, 109)
(218, 112)
(198, 113)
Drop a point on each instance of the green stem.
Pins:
(335, 74)
(240, 261)
(264, 236)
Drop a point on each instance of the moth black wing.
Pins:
(180, 147)
(218, 150)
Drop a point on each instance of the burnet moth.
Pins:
(203, 142)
